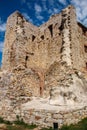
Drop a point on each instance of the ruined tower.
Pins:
(48, 62)
(58, 44)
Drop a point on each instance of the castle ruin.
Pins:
(46, 65)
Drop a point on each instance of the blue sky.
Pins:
(37, 12)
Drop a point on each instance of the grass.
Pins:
(20, 127)
(50, 128)
(16, 127)
(19, 124)
(82, 125)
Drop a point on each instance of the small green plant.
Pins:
(65, 127)
(7, 122)
(17, 117)
(20, 121)
(50, 128)
(4, 121)
(32, 126)
(1, 120)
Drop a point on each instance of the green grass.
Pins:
(20, 127)
(50, 128)
(18, 124)
(82, 125)
(16, 127)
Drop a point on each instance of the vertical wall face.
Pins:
(77, 52)
(73, 41)
(13, 42)
(9, 39)
(82, 31)
(57, 40)
(16, 41)
(31, 47)
(46, 45)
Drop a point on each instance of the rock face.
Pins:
(47, 62)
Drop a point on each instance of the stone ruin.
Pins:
(44, 69)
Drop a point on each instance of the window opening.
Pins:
(85, 48)
(33, 38)
(51, 30)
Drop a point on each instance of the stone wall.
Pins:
(47, 63)
(44, 117)
(39, 48)
(49, 52)
(83, 54)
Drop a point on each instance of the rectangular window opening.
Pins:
(51, 30)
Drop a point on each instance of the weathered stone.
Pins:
(37, 117)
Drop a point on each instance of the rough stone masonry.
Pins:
(43, 78)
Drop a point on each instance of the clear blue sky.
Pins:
(37, 12)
